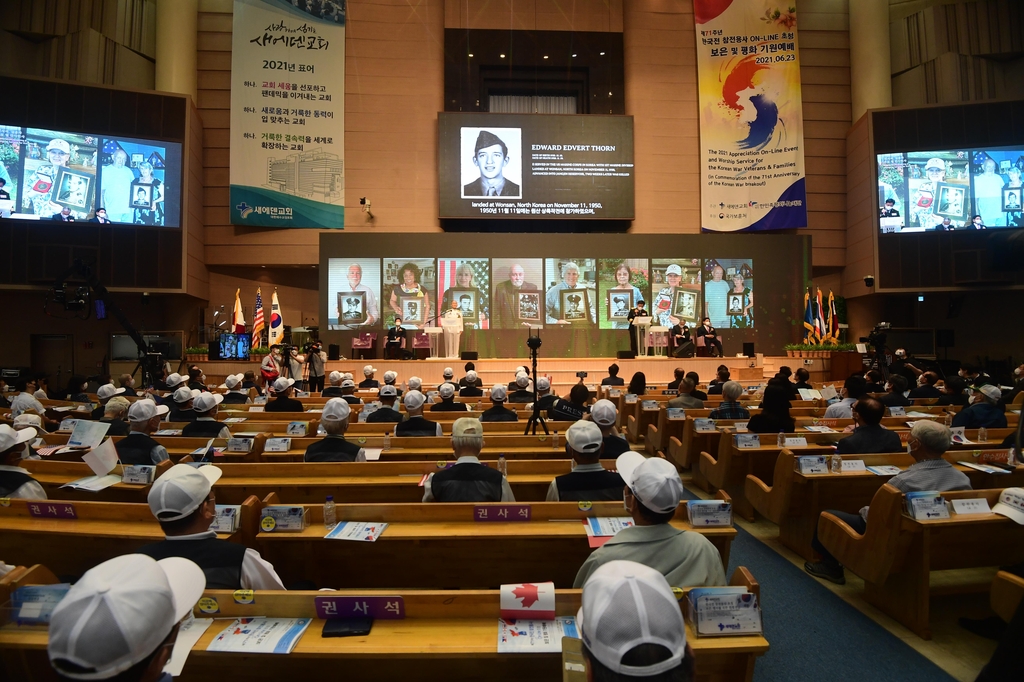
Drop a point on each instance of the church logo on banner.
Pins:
(751, 118)
(288, 113)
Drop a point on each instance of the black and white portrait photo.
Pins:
(528, 306)
(352, 305)
(491, 163)
(141, 195)
(574, 305)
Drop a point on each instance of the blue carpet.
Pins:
(815, 635)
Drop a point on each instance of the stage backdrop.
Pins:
(578, 289)
(288, 113)
(751, 118)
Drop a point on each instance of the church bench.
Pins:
(1006, 595)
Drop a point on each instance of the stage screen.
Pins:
(957, 189)
(465, 281)
(621, 284)
(535, 166)
(354, 286)
(729, 292)
(50, 174)
(409, 284)
(677, 283)
(234, 346)
(518, 300)
(570, 292)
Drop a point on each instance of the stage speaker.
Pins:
(470, 355)
(748, 349)
(214, 353)
(334, 352)
(945, 338)
(625, 355)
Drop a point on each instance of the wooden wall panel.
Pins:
(535, 15)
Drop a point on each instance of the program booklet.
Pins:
(260, 635)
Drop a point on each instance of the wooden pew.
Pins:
(21, 576)
(1007, 592)
(102, 530)
(446, 635)
(896, 554)
(794, 501)
(513, 446)
(440, 545)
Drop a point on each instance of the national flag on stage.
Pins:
(445, 280)
(276, 321)
(257, 320)
(833, 318)
(819, 319)
(237, 318)
(808, 317)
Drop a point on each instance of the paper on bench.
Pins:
(534, 636)
(372, 454)
(260, 635)
(87, 434)
(189, 633)
(93, 484)
(102, 459)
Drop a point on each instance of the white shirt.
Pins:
(25, 401)
(841, 410)
(257, 574)
(28, 491)
(506, 491)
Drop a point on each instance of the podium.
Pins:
(659, 340)
(433, 333)
(639, 330)
(452, 328)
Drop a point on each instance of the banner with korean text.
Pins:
(751, 118)
(288, 113)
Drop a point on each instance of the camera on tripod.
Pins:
(878, 336)
(581, 375)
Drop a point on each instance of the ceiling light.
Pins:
(545, 56)
(573, 54)
(502, 56)
(602, 54)
(470, 54)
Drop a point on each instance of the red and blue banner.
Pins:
(751, 118)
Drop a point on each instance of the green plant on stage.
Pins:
(262, 350)
(197, 350)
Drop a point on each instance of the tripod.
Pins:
(534, 343)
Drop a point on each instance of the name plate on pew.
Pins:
(239, 445)
(741, 427)
(704, 425)
(851, 466)
(226, 519)
(297, 429)
(977, 505)
(256, 408)
(897, 411)
(503, 512)
(649, 405)
(675, 414)
(139, 474)
(812, 464)
(927, 505)
(796, 442)
(378, 608)
(282, 518)
(614, 392)
(52, 510)
(709, 513)
(717, 611)
(301, 394)
(631, 398)
(747, 441)
(67, 424)
(278, 445)
(259, 400)
(990, 456)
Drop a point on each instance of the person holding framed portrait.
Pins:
(409, 300)
(740, 303)
(508, 299)
(151, 213)
(356, 289)
(468, 296)
(622, 298)
(567, 302)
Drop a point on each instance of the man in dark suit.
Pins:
(926, 387)
(895, 397)
(64, 216)
(869, 436)
(613, 378)
(710, 336)
(4, 194)
(282, 388)
(393, 344)
(100, 217)
(638, 311)
(490, 156)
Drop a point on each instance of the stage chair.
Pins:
(702, 349)
(421, 342)
(366, 341)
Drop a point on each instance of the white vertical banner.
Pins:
(288, 113)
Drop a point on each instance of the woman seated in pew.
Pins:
(14, 481)
(638, 384)
(869, 436)
(333, 447)
(730, 407)
(928, 441)
(774, 415)
(114, 413)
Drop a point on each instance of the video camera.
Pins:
(878, 336)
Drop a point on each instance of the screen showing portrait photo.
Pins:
(467, 282)
(234, 346)
(535, 166)
(409, 285)
(621, 284)
(517, 296)
(61, 175)
(729, 292)
(354, 292)
(675, 292)
(570, 293)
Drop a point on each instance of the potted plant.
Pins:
(259, 353)
(197, 353)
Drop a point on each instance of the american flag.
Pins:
(257, 320)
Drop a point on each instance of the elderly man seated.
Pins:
(468, 480)
(730, 407)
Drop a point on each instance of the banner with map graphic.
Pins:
(751, 119)
(288, 113)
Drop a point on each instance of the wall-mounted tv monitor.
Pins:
(56, 175)
(535, 166)
(234, 346)
(953, 189)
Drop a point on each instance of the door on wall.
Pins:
(53, 355)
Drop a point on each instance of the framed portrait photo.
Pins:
(352, 308)
(1012, 198)
(141, 195)
(620, 301)
(574, 305)
(950, 201)
(468, 299)
(137, 159)
(735, 304)
(528, 306)
(684, 305)
(72, 189)
(413, 309)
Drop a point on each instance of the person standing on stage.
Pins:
(635, 331)
(452, 335)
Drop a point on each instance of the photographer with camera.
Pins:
(292, 366)
(315, 359)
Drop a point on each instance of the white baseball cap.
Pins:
(467, 426)
(119, 612)
(181, 490)
(346, 375)
(390, 376)
(673, 270)
(60, 144)
(145, 409)
(335, 377)
(446, 390)
(233, 380)
(282, 384)
(369, 369)
(174, 380)
(584, 437)
(604, 412)
(543, 384)
(414, 400)
(207, 401)
(388, 391)
(989, 391)
(522, 380)
(348, 383)
(10, 438)
(108, 391)
(471, 376)
(185, 394)
(499, 393)
(25, 420)
(449, 372)
(335, 410)
(415, 383)
(624, 605)
(653, 481)
(1011, 504)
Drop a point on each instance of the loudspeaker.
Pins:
(334, 352)
(470, 355)
(625, 355)
(214, 353)
(945, 338)
(748, 349)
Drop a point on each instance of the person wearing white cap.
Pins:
(545, 396)
(984, 410)
(415, 384)
(588, 480)
(632, 626)
(173, 382)
(333, 447)
(369, 381)
(114, 413)
(471, 386)
(415, 424)
(449, 378)
(15, 481)
(334, 390)
(928, 441)
(29, 421)
(205, 405)
(477, 381)
(522, 394)
(519, 370)
(498, 412)
(651, 496)
(387, 412)
(138, 447)
(348, 392)
(468, 480)
(105, 393)
(236, 395)
(282, 388)
(182, 500)
(448, 404)
(120, 620)
(182, 404)
(661, 308)
(605, 414)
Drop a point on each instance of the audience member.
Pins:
(973, 376)
(774, 415)
(545, 396)
(696, 392)
(127, 382)
(730, 408)
(205, 406)
(236, 394)
(605, 414)
(348, 392)
(521, 394)
(926, 386)
(181, 410)
(802, 380)
(638, 384)
(105, 393)
(519, 370)
(498, 412)
(448, 403)
(613, 378)
(283, 402)
(249, 381)
(678, 373)
(471, 389)
(475, 381)
(869, 436)
(953, 392)
(448, 376)
(25, 400)
(873, 382)
(684, 398)
(334, 390)
(387, 412)
(138, 447)
(333, 447)
(468, 480)
(895, 397)
(76, 391)
(572, 409)
(368, 380)
(16, 482)
(390, 379)
(984, 409)
(114, 413)
(715, 387)
(853, 390)
(196, 378)
(415, 424)
(588, 480)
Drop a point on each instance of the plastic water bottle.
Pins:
(948, 419)
(330, 517)
(554, 441)
(781, 440)
(837, 464)
(387, 440)
(982, 434)
(502, 465)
